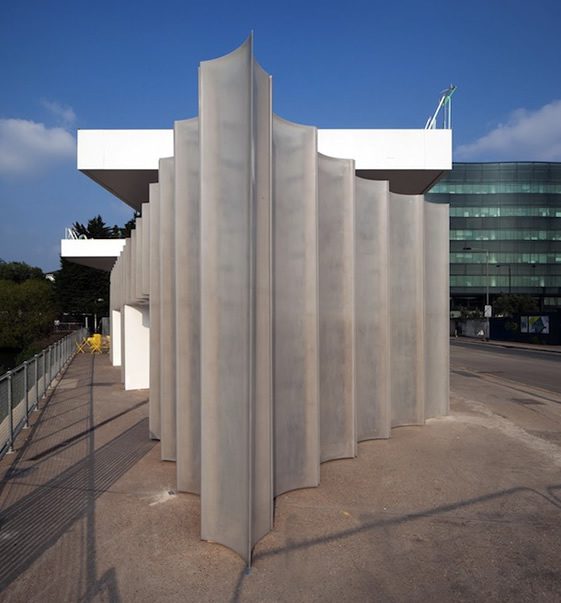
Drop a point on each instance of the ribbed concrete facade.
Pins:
(294, 309)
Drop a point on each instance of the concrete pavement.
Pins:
(465, 508)
(518, 345)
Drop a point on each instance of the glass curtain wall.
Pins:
(508, 214)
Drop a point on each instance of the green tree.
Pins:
(79, 289)
(27, 312)
(513, 305)
(125, 231)
(96, 229)
(19, 271)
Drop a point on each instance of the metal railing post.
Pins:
(44, 373)
(52, 360)
(26, 389)
(36, 359)
(10, 412)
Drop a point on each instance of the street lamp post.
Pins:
(486, 269)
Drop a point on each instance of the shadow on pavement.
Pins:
(38, 520)
(552, 499)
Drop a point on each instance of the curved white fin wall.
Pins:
(167, 310)
(336, 260)
(187, 304)
(236, 490)
(406, 312)
(146, 251)
(295, 309)
(437, 300)
(154, 420)
(295, 302)
(372, 329)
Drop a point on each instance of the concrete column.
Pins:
(126, 299)
(137, 349)
(146, 250)
(133, 268)
(187, 307)
(406, 273)
(154, 420)
(167, 311)
(372, 310)
(437, 310)
(336, 239)
(295, 287)
(236, 461)
(138, 293)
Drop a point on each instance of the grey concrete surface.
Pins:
(510, 363)
(295, 290)
(372, 363)
(267, 251)
(437, 303)
(155, 307)
(407, 309)
(166, 354)
(336, 311)
(235, 356)
(467, 508)
(187, 304)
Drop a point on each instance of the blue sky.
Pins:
(69, 65)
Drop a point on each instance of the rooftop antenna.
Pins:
(444, 105)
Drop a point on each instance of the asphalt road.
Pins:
(537, 369)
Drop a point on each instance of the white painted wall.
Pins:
(123, 149)
(115, 338)
(390, 149)
(412, 149)
(97, 253)
(136, 347)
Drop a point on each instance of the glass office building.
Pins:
(505, 230)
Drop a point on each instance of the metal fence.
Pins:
(22, 388)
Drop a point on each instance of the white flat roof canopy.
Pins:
(94, 253)
(125, 161)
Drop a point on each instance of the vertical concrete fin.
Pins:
(134, 267)
(187, 306)
(167, 311)
(406, 271)
(115, 310)
(235, 147)
(146, 250)
(336, 244)
(125, 300)
(437, 312)
(139, 230)
(262, 377)
(154, 419)
(295, 303)
(372, 310)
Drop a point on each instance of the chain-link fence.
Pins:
(22, 388)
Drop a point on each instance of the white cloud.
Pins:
(26, 145)
(527, 136)
(63, 112)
